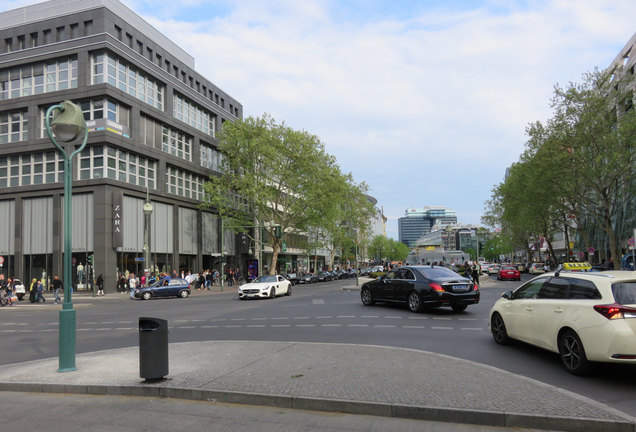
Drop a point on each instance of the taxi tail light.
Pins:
(475, 287)
(613, 311)
(436, 287)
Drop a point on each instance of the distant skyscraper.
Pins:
(418, 222)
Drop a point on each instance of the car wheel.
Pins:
(183, 294)
(272, 293)
(146, 296)
(367, 298)
(573, 354)
(288, 293)
(415, 302)
(498, 329)
(459, 308)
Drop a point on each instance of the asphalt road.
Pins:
(314, 313)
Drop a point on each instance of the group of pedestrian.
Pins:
(7, 291)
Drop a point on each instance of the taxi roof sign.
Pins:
(577, 266)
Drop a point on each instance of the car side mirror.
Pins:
(507, 295)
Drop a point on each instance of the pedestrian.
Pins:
(100, 285)
(121, 284)
(33, 290)
(133, 285)
(217, 278)
(476, 269)
(201, 281)
(610, 264)
(40, 291)
(57, 286)
(208, 280)
(230, 278)
(546, 267)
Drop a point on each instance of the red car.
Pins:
(509, 272)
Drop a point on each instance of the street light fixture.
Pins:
(147, 212)
(67, 125)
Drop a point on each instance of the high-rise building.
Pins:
(418, 222)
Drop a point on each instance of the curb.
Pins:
(449, 415)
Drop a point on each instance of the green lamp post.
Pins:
(68, 124)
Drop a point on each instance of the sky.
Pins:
(426, 101)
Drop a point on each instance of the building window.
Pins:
(88, 28)
(104, 108)
(14, 127)
(47, 37)
(184, 184)
(129, 38)
(21, 42)
(108, 68)
(210, 158)
(74, 31)
(30, 169)
(34, 40)
(61, 34)
(8, 45)
(191, 114)
(149, 131)
(176, 143)
(118, 33)
(38, 78)
(158, 60)
(140, 48)
(104, 161)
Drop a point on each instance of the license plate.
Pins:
(250, 295)
(460, 288)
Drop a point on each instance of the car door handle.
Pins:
(558, 310)
(529, 308)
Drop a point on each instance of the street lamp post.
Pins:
(67, 125)
(147, 212)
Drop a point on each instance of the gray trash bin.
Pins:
(153, 348)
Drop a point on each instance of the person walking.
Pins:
(476, 273)
(40, 290)
(57, 286)
(201, 281)
(121, 284)
(33, 290)
(132, 283)
(100, 285)
(208, 280)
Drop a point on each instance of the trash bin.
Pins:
(153, 348)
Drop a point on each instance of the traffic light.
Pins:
(444, 259)
(492, 247)
(352, 249)
(277, 232)
(89, 261)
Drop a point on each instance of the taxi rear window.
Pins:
(624, 293)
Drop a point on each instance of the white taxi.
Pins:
(583, 316)
(268, 286)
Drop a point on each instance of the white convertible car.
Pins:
(268, 286)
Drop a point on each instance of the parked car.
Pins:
(494, 269)
(175, 287)
(324, 276)
(20, 290)
(308, 278)
(421, 287)
(342, 274)
(268, 286)
(484, 268)
(536, 268)
(291, 277)
(585, 317)
(509, 272)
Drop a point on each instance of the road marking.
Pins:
(301, 317)
(330, 325)
(219, 319)
(197, 320)
(26, 331)
(323, 317)
(357, 325)
(209, 326)
(442, 328)
(318, 301)
(418, 317)
(346, 316)
(258, 319)
(124, 322)
(48, 330)
(182, 327)
(471, 328)
(281, 325)
(420, 327)
(125, 328)
(238, 319)
(89, 329)
(103, 329)
(232, 326)
(91, 323)
(385, 326)
(255, 325)
(306, 325)
(369, 316)
(394, 317)
(437, 318)
(468, 319)
(280, 318)
(108, 322)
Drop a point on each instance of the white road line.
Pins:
(442, 328)
(108, 322)
(91, 323)
(48, 330)
(346, 316)
(280, 325)
(219, 319)
(198, 320)
(231, 326)
(125, 328)
(280, 318)
(104, 329)
(258, 319)
(26, 331)
(393, 317)
(323, 317)
(468, 319)
(238, 319)
(438, 318)
(418, 317)
(182, 327)
(209, 326)
(471, 328)
(301, 317)
(124, 322)
(385, 326)
(256, 325)
(420, 327)
(85, 329)
(318, 301)
(330, 325)
(357, 325)
(369, 316)
(306, 325)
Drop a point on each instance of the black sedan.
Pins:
(308, 278)
(324, 276)
(165, 288)
(421, 287)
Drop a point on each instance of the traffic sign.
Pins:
(1, 260)
(631, 241)
(590, 250)
(140, 259)
(581, 254)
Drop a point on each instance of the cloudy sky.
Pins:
(425, 101)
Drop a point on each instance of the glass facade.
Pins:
(30, 169)
(38, 78)
(14, 127)
(193, 115)
(176, 143)
(184, 184)
(103, 161)
(210, 158)
(110, 69)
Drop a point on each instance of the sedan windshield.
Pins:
(437, 273)
(268, 278)
(509, 268)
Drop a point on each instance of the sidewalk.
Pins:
(357, 379)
